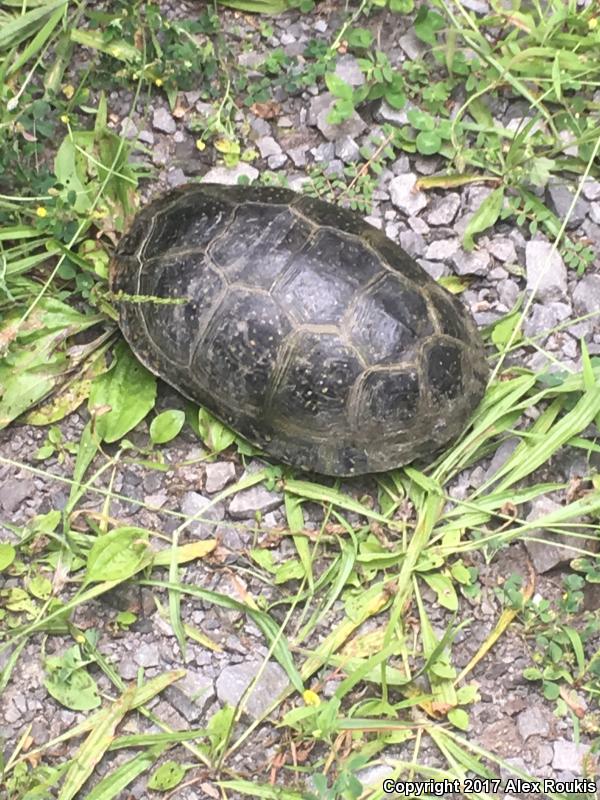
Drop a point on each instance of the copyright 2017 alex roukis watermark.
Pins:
(449, 788)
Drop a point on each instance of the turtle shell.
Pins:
(299, 325)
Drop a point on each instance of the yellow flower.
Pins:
(68, 91)
(41, 212)
(311, 698)
(593, 23)
(64, 119)
(200, 145)
(158, 82)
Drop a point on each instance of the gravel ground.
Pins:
(512, 718)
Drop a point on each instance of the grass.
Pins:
(374, 599)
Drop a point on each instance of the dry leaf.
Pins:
(268, 110)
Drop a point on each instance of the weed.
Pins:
(346, 610)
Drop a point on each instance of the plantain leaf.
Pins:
(118, 555)
(125, 394)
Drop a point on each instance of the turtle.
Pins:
(299, 325)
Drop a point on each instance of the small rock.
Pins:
(502, 737)
(374, 776)
(156, 500)
(545, 555)
(474, 263)
(545, 754)
(230, 176)
(395, 116)
(503, 249)
(334, 167)
(192, 97)
(498, 274)
(152, 481)
(478, 6)
(176, 177)
(476, 195)
(435, 269)
(586, 298)
(268, 146)
(251, 58)
(412, 46)
(246, 504)
(276, 162)
(404, 195)
(347, 149)
(128, 128)
(218, 476)
(191, 695)
(298, 182)
(376, 222)
(319, 110)
(546, 271)
(260, 126)
(194, 504)
(14, 491)
(392, 230)
(128, 669)
(412, 243)
(417, 224)
(560, 197)
(320, 25)
(11, 713)
(348, 69)
(544, 317)
(298, 155)
(147, 655)
(592, 232)
(532, 722)
(591, 190)
(508, 292)
(595, 213)
(441, 249)
(147, 137)
(426, 165)
(569, 756)
(163, 121)
(500, 457)
(324, 152)
(234, 680)
(444, 209)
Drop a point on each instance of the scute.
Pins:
(389, 397)
(304, 328)
(448, 312)
(444, 371)
(174, 328)
(194, 221)
(389, 321)
(236, 357)
(259, 243)
(322, 280)
(325, 214)
(314, 387)
(395, 257)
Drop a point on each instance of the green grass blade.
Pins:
(21, 27)
(113, 784)
(257, 6)
(267, 625)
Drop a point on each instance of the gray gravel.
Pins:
(512, 718)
